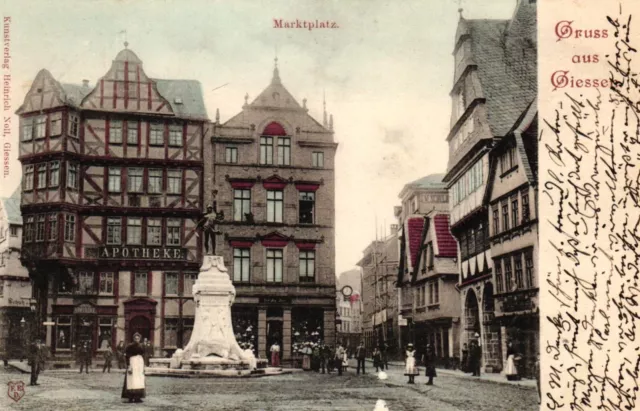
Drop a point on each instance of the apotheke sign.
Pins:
(134, 252)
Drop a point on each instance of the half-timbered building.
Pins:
(494, 81)
(111, 195)
(273, 177)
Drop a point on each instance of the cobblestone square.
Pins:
(67, 390)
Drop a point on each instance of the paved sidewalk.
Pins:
(396, 368)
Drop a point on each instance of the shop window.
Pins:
(106, 283)
(105, 330)
(85, 282)
(171, 332)
(63, 333)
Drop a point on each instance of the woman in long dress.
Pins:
(134, 388)
(410, 369)
(511, 370)
(306, 357)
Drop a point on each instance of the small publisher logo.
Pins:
(15, 390)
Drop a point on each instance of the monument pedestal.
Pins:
(213, 349)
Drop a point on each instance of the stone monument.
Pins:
(213, 333)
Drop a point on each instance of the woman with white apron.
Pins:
(134, 388)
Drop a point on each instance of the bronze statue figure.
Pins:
(208, 225)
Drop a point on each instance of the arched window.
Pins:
(272, 134)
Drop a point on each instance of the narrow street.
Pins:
(66, 390)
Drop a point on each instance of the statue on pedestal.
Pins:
(208, 225)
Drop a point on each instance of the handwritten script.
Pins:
(590, 162)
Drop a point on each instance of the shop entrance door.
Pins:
(274, 334)
(140, 325)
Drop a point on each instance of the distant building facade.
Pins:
(273, 176)
(349, 309)
(379, 267)
(111, 194)
(428, 275)
(15, 287)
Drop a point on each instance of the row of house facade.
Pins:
(468, 239)
(115, 179)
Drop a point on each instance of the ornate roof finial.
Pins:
(217, 116)
(276, 73)
(331, 122)
(246, 99)
(324, 109)
(460, 9)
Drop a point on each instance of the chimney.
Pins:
(85, 83)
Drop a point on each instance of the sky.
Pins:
(386, 72)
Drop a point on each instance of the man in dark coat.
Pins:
(120, 354)
(34, 361)
(360, 356)
(85, 357)
(108, 357)
(429, 364)
(475, 358)
(383, 356)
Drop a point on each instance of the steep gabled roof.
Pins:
(446, 244)
(12, 207)
(506, 67)
(276, 95)
(184, 96)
